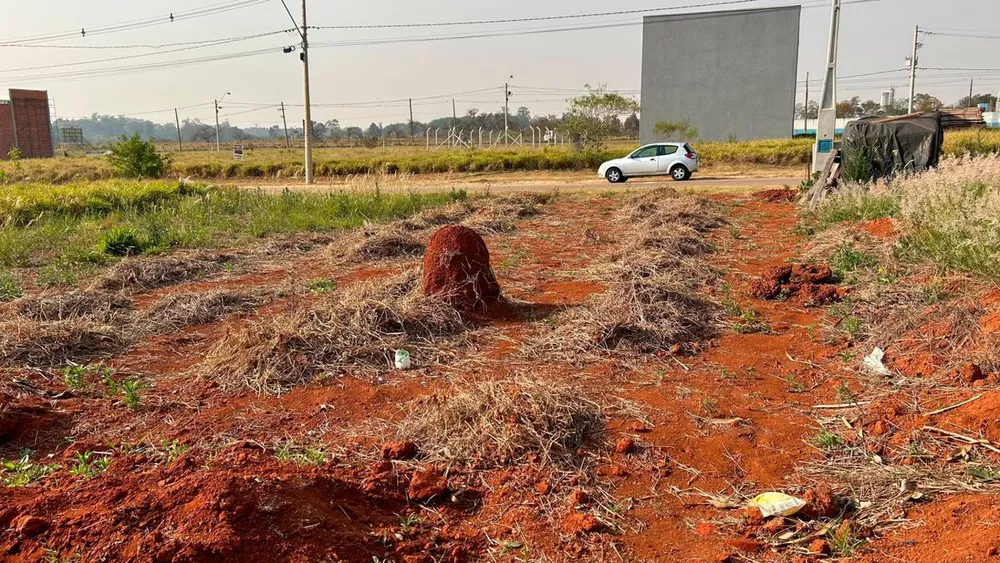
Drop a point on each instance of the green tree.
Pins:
(131, 157)
(682, 130)
(592, 117)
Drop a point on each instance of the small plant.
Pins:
(75, 376)
(22, 472)
(174, 450)
(321, 285)
(284, 453)
(112, 389)
(844, 540)
(121, 241)
(729, 305)
(313, 456)
(852, 327)
(408, 522)
(9, 289)
(88, 466)
(709, 407)
(986, 474)
(131, 157)
(748, 322)
(827, 440)
(60, 274)
(131, 390)
(844, 394)
(795, 385)
(846, 259)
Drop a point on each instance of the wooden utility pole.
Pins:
(971, 83)
(805, 109)
(305, 68)
(177, 118)
(284, 121)
(412, 133)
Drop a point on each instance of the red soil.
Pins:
(881, 228)
(806, 282)
(457, 268)
(779, 195)
(229, 497)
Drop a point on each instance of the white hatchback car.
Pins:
(677, 160)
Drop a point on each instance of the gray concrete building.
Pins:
(730, 74)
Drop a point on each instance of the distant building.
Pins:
(25, 124)
(730, 74)
(888, 98)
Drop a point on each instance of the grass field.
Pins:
(59, 230)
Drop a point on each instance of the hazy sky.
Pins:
(876, 36)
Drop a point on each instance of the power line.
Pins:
(207, 42)
(199, 45)
(138, 24)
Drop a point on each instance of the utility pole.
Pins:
(412, 133)
(218, 146)
(826, 124)
(913, 67)
(177, 118)
(284, 122)
(971, 83)
(506, 110)
(805, 109)
(305, 67)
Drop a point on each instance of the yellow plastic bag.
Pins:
(774, 504)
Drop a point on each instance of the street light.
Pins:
(218, 146)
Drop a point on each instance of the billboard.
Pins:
(731, 75)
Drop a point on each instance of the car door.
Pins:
(642, 162)
(666, 157)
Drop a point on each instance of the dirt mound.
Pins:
(779, 195)
(457, 269)
(808, 282)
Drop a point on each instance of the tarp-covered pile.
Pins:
(878, 147)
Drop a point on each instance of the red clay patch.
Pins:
(457, 268)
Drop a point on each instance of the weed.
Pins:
(121, 241)
(749, 323)
(131, 390)
(284, 453)
(174, 450)
(131, 157)
(9, 289)
(75, 376)
(228, 268)
(60, 274)
(321, 285)
(313, 456)
(847, 259)
(844, 394)
(844, 541)
(986, 474)
(514, 260)
(111, 387)
(729, 305)
(408, 522)
(88, 466)
(827, 440)
(287, 453)
(22, 472)
(709, 407)
(795, 385)
(852, 327)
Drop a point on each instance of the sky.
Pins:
(360, 84)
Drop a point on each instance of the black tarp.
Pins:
(879, 147)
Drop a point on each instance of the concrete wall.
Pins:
(731, 74)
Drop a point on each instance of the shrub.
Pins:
(121, 241)
(131, 157)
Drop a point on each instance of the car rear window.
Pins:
(688, 149)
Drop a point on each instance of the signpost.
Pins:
(237, 152)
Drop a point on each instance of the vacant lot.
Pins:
(195, 374)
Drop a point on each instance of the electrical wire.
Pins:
(207, 42)
(138, 24)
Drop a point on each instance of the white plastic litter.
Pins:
(403, 360)
(873, 362)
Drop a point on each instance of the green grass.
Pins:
(827, 440)
(69, 227)
(856, 205)
(22, 472)
(321, 285)
(90, 465)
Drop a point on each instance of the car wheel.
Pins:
(615, 176)
(680, 173)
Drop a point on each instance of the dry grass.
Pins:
(354, 332)
(438, 216)
(506, 422)
(149, 272)
(36, 343)
(501, 214)
(177, 311)
(369, 246)
(98, 305)
(655, 284)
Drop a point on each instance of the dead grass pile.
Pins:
(655, 281)
(148, 272)
(98, 305)
(386, 243)
(36, 343)
(438, 216)
(506, 422)
(180, 310)
(356, 332)
(501, 214)
(296, 244)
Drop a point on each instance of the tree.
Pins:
(680, 129)
(131, 157)
(926, 102)
(870, 107)
(989, 99)
(849, 108)
(811, 112)
(631, 125)
(591, 117)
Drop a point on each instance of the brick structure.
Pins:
(24, 123)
